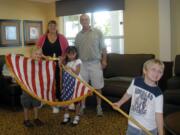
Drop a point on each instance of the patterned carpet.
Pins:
(112, 123)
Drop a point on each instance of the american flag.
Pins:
(73, 87)
(36, 77)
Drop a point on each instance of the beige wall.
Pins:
(25, 10)
(175, 23)
(141, 26)
(140, 19)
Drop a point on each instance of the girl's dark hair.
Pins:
(71, 49)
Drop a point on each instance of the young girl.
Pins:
(74, 64)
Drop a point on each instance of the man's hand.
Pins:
(103, 63)
(115, 105)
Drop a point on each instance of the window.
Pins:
(109, 22)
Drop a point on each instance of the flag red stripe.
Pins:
(33, 76)
(53, 86)
(41, 79)
(17, 67)
(53, 91)
(25, 72)
(48, 78)
(10, 62)
(82, 90)
(77, 88)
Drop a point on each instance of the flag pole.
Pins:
(122, 112)
(110, 103)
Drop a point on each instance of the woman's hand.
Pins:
(60, 61)
(37, 54)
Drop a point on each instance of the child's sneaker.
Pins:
(55, 109)
(66, 119)
(38, 122)
(76, 120)
(71, 107)
(27, 123)
(99, 111)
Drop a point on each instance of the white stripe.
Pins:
(37, 82)
(29, 74)
(44, 77)
(51, 78)
(79, 89)
(21, 60)
(74, 96)
(13, 59)
(86, 89)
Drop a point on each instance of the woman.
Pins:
(52, 44)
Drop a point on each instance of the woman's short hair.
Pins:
(52, 22)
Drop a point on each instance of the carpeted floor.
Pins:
(112, 123)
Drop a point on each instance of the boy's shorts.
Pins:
(134, 131)
(27, 101)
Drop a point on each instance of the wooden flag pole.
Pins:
(122, 112)
(110, 103)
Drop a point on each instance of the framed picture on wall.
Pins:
(32, 31)
(10, 33)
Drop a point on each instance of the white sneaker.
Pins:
(76, 120)
(66, 118)
(55, 109)
(71, 107)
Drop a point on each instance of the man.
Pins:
(92, 51)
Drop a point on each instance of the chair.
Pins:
(172, 93)
(172, 97)
(10, 91)
(174, 82)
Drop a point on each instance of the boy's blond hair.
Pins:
(148, 63)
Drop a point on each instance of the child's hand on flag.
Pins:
(37, 54)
